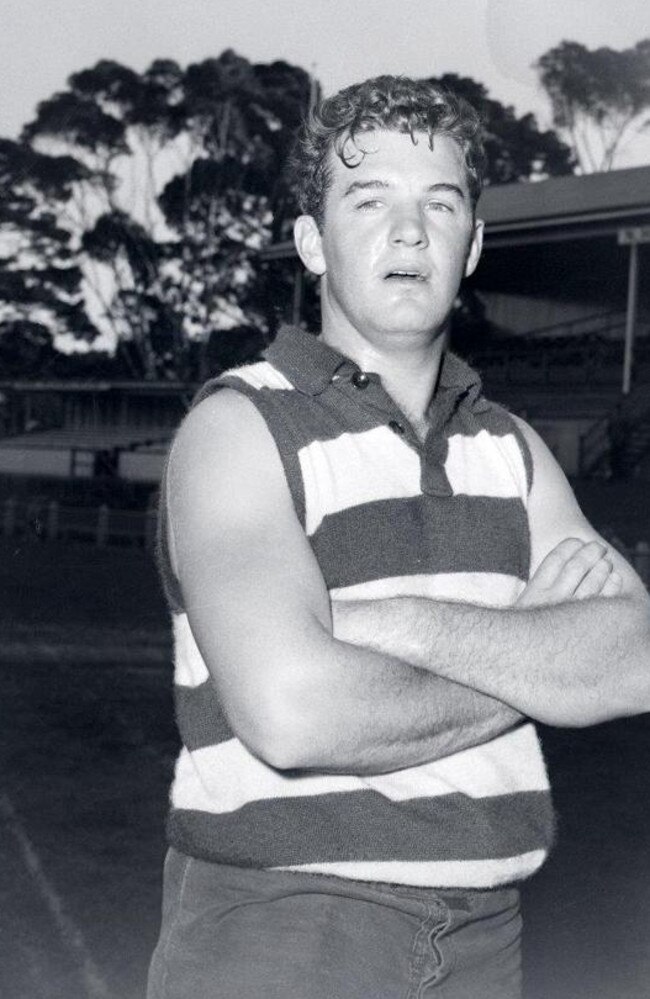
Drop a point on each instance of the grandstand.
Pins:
(85, 431)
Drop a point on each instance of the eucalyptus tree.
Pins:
(40, 280)
(599, 98)
(515, 147)
(181, 185)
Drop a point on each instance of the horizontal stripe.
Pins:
(199, 716)
(492, 589)
(260, 375)
(440, 535)
(226, 777)
(190, 668)
(428, 874)
(363, 827)
(510, 763)
(485, 465)
(354, 469)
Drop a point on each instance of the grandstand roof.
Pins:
(558, 208)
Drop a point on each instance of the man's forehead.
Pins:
(365, 153)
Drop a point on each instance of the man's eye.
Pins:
(439, 206)
(370, 204)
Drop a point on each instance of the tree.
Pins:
(598, 98)
(515, 147)
(40, 282)
(182, 180)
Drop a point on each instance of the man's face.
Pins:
(398, 236)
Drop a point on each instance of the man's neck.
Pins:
(409, 370)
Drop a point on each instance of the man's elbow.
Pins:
(280, 732)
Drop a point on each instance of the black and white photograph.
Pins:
(325, 499)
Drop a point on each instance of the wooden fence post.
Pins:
(9, 517)
(102, 526)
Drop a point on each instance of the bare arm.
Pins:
(576, 662)
(259, 611)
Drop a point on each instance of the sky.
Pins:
(495, 41)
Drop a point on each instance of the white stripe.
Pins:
(492, 589)
(486, 465)
(509, 764)
(190, 669)
(227, 776)
(432, 874)
(356, 468)
(261, 375)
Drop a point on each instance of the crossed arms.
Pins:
(387, 684)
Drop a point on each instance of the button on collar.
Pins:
(397, 428)
(360, 380)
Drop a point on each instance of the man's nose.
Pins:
(408, 228)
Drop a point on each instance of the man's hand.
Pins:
(573, 570)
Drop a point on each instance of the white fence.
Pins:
(100, 525)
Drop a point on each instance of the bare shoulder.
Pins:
(221, 456)
(227, 424)
(225, 481)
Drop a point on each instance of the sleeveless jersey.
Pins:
(385, 515)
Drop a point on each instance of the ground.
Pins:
(88, 740)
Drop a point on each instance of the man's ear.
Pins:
(475, 247)
(309, 244)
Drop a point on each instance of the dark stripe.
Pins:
(440, 534)
(364, 826)
(200, 718)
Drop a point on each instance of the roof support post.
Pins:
(630, 315)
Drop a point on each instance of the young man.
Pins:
(377, 579)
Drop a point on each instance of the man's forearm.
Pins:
(375, 714)
(576, 663)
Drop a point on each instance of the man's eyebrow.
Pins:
(381, 185)
(365, 185)
(444, 187)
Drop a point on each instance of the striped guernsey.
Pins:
(385, 515)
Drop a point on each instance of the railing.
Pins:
(102, 525)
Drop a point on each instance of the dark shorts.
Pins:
(239, 933)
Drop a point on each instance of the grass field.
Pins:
(87, 744)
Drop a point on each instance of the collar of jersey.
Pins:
(310, 365)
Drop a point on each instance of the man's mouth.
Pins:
(400, 274)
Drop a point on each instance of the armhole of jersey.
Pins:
(525, 453)
(170, 582)
(287, 450)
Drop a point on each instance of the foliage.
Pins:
(178, 185)
(40, 280)
(515, 147)
(598, 98)
(134, 207)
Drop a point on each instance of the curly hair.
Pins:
(395, 103)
